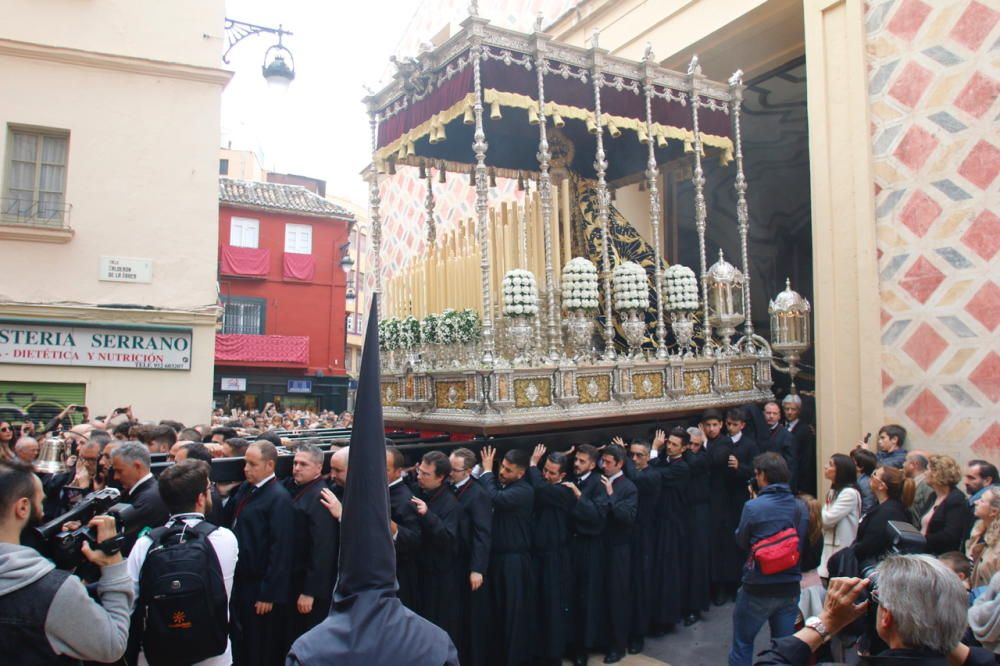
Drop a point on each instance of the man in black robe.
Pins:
(671, 536)
(724, 577)
(775, 438)
(475, 528)
(622, 507)
(511, 580)
(804, 438)
(367, 625)
(261, 516)
(698, 519)
(314, 548)
(550, 554)
(438, 511)
(408, 534)
(587, 549)
(647, 481)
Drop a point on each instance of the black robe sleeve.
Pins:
(440, 531)
(278, 577)
(623, 504)
(513, 497)
(323, 555)
(481, 519)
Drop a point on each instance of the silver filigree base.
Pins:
(580, 335)
(634, 330)
(682, 324)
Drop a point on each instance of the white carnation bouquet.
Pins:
(388, 334)
(470, 326)
(448, 327)
(579, 285)
(409, 333)
(681, 287)
(630, 286)
(520, 294)
(429, 328)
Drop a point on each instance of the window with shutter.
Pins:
(298, 238)
(244, 232)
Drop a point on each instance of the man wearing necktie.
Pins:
(778, 440)
(261, 516)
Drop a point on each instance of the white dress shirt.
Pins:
(226, 549)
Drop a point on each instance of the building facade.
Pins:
(282, 290)
(108, 149)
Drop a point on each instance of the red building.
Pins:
(282, 337)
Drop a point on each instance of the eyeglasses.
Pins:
(4, 429)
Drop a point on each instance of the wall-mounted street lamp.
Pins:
(279, 64)
(346, 261)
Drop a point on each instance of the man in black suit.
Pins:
(622, 507)
(314, 560)
(777, 439)
(587, 548)
(198, 451)
(131, 462)
(405, 526)
(261, 515)
(475, 528)
(804, 443)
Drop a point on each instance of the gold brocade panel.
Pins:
(698, 382)
(390, 394)
(450, 395)
(535, 392)
(593, 389)
(741, 379)
(647, 385)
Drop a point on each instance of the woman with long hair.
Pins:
(842, 509)
(894, 493)
(6, 440)
(983, 546)
(946, 522)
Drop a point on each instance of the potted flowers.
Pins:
(631, 294)
(520, 303)
(580, 300)
(681, 287)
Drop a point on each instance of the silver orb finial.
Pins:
(648, 55)
(695, 67)
(736, 79)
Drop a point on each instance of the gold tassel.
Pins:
(402, 150)
(441, 135)
(643, 136)
(411, 148)
(495, 111)
(613, 128)
(469, 118)
(433, 136)
(557, 120)
(591, 125)
(661, 140)
(533, 114)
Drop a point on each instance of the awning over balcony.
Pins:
(244, 261)
(275, 350)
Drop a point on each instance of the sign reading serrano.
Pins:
(145, 348)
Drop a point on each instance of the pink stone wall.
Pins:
(933, 86)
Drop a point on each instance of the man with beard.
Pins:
(314, 548)
(405, 526)
(698, 520)
(438, 511)
(643, 544)
(511, 581)
(261, 516)
(725, 576)
(671, 536)
(587, 549)
(475, 528)
(550, 553)
(622, 507)
(51, 605)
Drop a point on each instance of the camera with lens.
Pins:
(65, 545)
(904, 539)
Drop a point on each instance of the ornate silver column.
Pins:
(742, 212)
(652, 175)
(700, 209)
(429, 206)
(545, 191)
(479, 147)
(374, 201)
(601, 167)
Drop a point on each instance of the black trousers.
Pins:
(258, 640)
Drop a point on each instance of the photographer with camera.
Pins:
(920, 613)
(42, 609)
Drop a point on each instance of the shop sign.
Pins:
(145, 348)
(300, 386)
(126, 269)
(233, 383)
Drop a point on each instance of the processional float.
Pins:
(565, 317)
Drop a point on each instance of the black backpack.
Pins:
(182, 597)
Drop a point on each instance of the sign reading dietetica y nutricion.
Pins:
(145, 348)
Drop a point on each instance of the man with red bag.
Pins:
(773, 530)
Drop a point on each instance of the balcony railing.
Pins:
(14, 210)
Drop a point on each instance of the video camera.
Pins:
(65, 544)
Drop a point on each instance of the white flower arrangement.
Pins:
(681, 287)
(630, 286)
(579, 285)
(470, 327)
(429, 328)
(409, 333)
(447, 328)
(520, 294)
(388, 334)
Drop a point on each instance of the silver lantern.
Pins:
(791, 333)
(726, 309)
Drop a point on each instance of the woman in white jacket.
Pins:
(842, 509)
